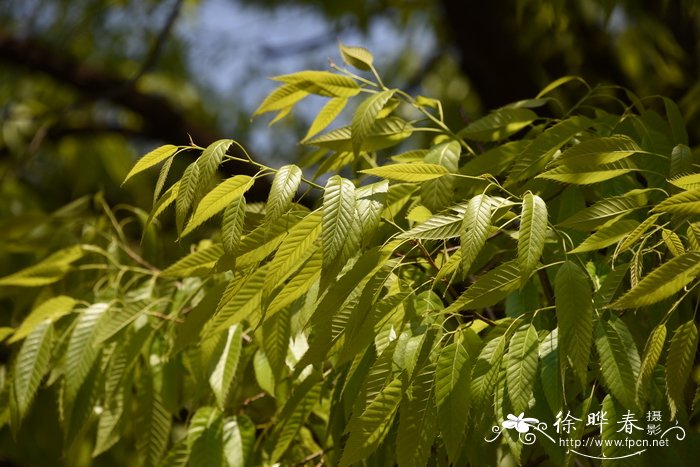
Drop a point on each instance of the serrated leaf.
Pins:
(31, 365)
(417, 421)
(438, 194)
(488, 289)
(81, 353)
(326, 115)
(323, 83)
(186, 193)
(221, 378)
(637, 233)
(239, 440)
(218, 199)
(198, 262)
(686, 203)
(295, 412)
(370, 202)
(281, 98)
(485, 372)
(662, 282)
(205, 438)
(232, 225)
(687, 182)
(499, 124)
(52, 309)
(598, 151)
(606, 236)
(408, 172)
(296, 248)
(681, 161)
(439, 227)
(154, 157)
(619, 360)
(365, 116)
(652, 353)
(533, 229)
(588, 174)
(679, 363)
(359, 57)
(574, 308)
(605, 210)
(385, 132)
(369, 429)
(163, 202)
(298, 285)
(284, 187)
(521, 366)
(673, 242)
(153, 422)
(338, 214)
(47, 271)
(452, 395)
(475, 229)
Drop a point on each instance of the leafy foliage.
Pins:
(406, 306)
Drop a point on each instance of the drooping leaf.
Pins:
(299, 284)
(218, 199)
(186, 193)
(499, 124)
(574, 308)
(296, 248)
(281, 98)
(232, 225)
(338, 214)
(619, 360)
(679, 363)
(652, 353)
(221, 378)
(485, 372)
(418, 172)
(521, 367)
(359, 57)
(206, 439)
(662, 282)
(452, 395)
(673, 242)
(475, 229)
(370, 202)
(154, 157)
(417, 421)
(239, 439)
(284, 187)
(533, 229)
(438, 194)
(152, 425)
(31, 365)
(47, 271)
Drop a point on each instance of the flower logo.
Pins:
(520, 423)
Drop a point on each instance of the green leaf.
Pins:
(439, 227)
(154, 157)
(475, 229)
(31, 365)
(686, 203)
(369, 429)
(637, 233)
(574, 308)
(676, 122)
(281, 98)
(619, 360)
(81, 353)
(385, 132)
(370, 201)
(211, 158)
(652, 353)
(239, 440)
(326, 115)
(186, 193)
(681, 162)
(687, 182)
(323, 83)
(533, 229)
(298, 285)
(605, 210)
(221, 378)
(521, 366)
(679, 364)
(359, 57)
(438, 194)
(198, 262)
(488, 289)
(606, 236)
(499, 124)
(408, 172)
(153, 422)
(52, 309)
(338, 215)
(296, 248)
(205, 438)
(452, 395)
(662, 282)
(163, 202)
(417, 421)
(218, 199)
(365, 116)
(673, 242)
(47, 271)
(598, 151)
(587, 174)
(232, 225)
(284, 187)
(485, 373)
